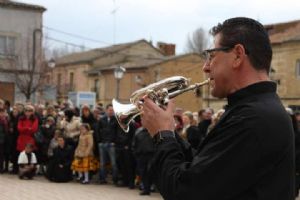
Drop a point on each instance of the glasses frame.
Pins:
(207, 53)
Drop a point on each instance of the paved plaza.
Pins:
(12, 188)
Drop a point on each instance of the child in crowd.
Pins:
(84, 160)
(27, 162)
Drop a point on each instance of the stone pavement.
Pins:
(12, 188)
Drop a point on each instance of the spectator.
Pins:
(88, 117)
(27, 127)
(3, 141)
(190, 131)
(106, 137)
(13, 135)
(47, 131)
(70, 126)
(84, 160)
(53, 143)
(27, 162)
(59, 167)
(143, 148)
(124, 156)
(205, 122)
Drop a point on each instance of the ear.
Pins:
(240, 55)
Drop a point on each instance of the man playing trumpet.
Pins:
(249, 154)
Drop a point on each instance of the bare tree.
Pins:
(29, 69)
(197, 42)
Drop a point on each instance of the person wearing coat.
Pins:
(88, 117)
(27, 127)
(249, 154)
(70, 126)
(13, 136)
(84, 160)
(59, 166)
(3, 140)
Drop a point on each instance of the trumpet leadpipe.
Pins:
(191, 87)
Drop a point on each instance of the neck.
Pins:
(248, 76)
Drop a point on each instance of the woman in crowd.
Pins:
(190, 132)
(53, 143)
(27, 127)
(59, 167)
(88, 117)
(3, 141)
(13, 135)
(47, 130)
(84, 160)
(70, 126)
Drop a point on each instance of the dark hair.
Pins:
(108, 105)
(69, 113)
(249, 33)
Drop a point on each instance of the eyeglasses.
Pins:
(28, 110)
(207, 54)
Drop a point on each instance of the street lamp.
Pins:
(51, 63)
(119, 73)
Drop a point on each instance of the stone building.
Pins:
(20, 41)
(285, 39)
(94, 71)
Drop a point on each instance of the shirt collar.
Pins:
(251, 90)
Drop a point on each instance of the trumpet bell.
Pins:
(124, 113)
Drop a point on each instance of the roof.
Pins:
(138, 64)
(284, 32)
(91, 55)
(18, 5)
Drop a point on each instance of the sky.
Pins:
(111, 22)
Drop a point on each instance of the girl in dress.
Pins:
(84, 160)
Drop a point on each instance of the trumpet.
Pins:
(160, 92)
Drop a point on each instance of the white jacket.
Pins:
(23, 159)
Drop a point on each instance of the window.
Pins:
(59, 80)
(96, 88)
(7, 46)
(71, 80)
(298, 69)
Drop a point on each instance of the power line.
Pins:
(67, 43)
(101, 49)
(75, 35)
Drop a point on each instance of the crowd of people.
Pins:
(65, 143)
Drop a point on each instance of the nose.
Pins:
(206, 67)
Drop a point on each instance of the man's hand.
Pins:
(156, 119)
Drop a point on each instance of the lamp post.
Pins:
(119, 73)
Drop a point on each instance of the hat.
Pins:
(50, 118)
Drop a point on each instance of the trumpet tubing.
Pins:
(160, 92)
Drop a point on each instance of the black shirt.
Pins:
(249, 154)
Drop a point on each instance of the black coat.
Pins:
(193, 136)
(64, 157)
(107, 130)
(142, 144)
(249, 154)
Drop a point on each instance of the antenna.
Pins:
(113, 12)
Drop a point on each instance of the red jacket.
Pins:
(27, 128)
